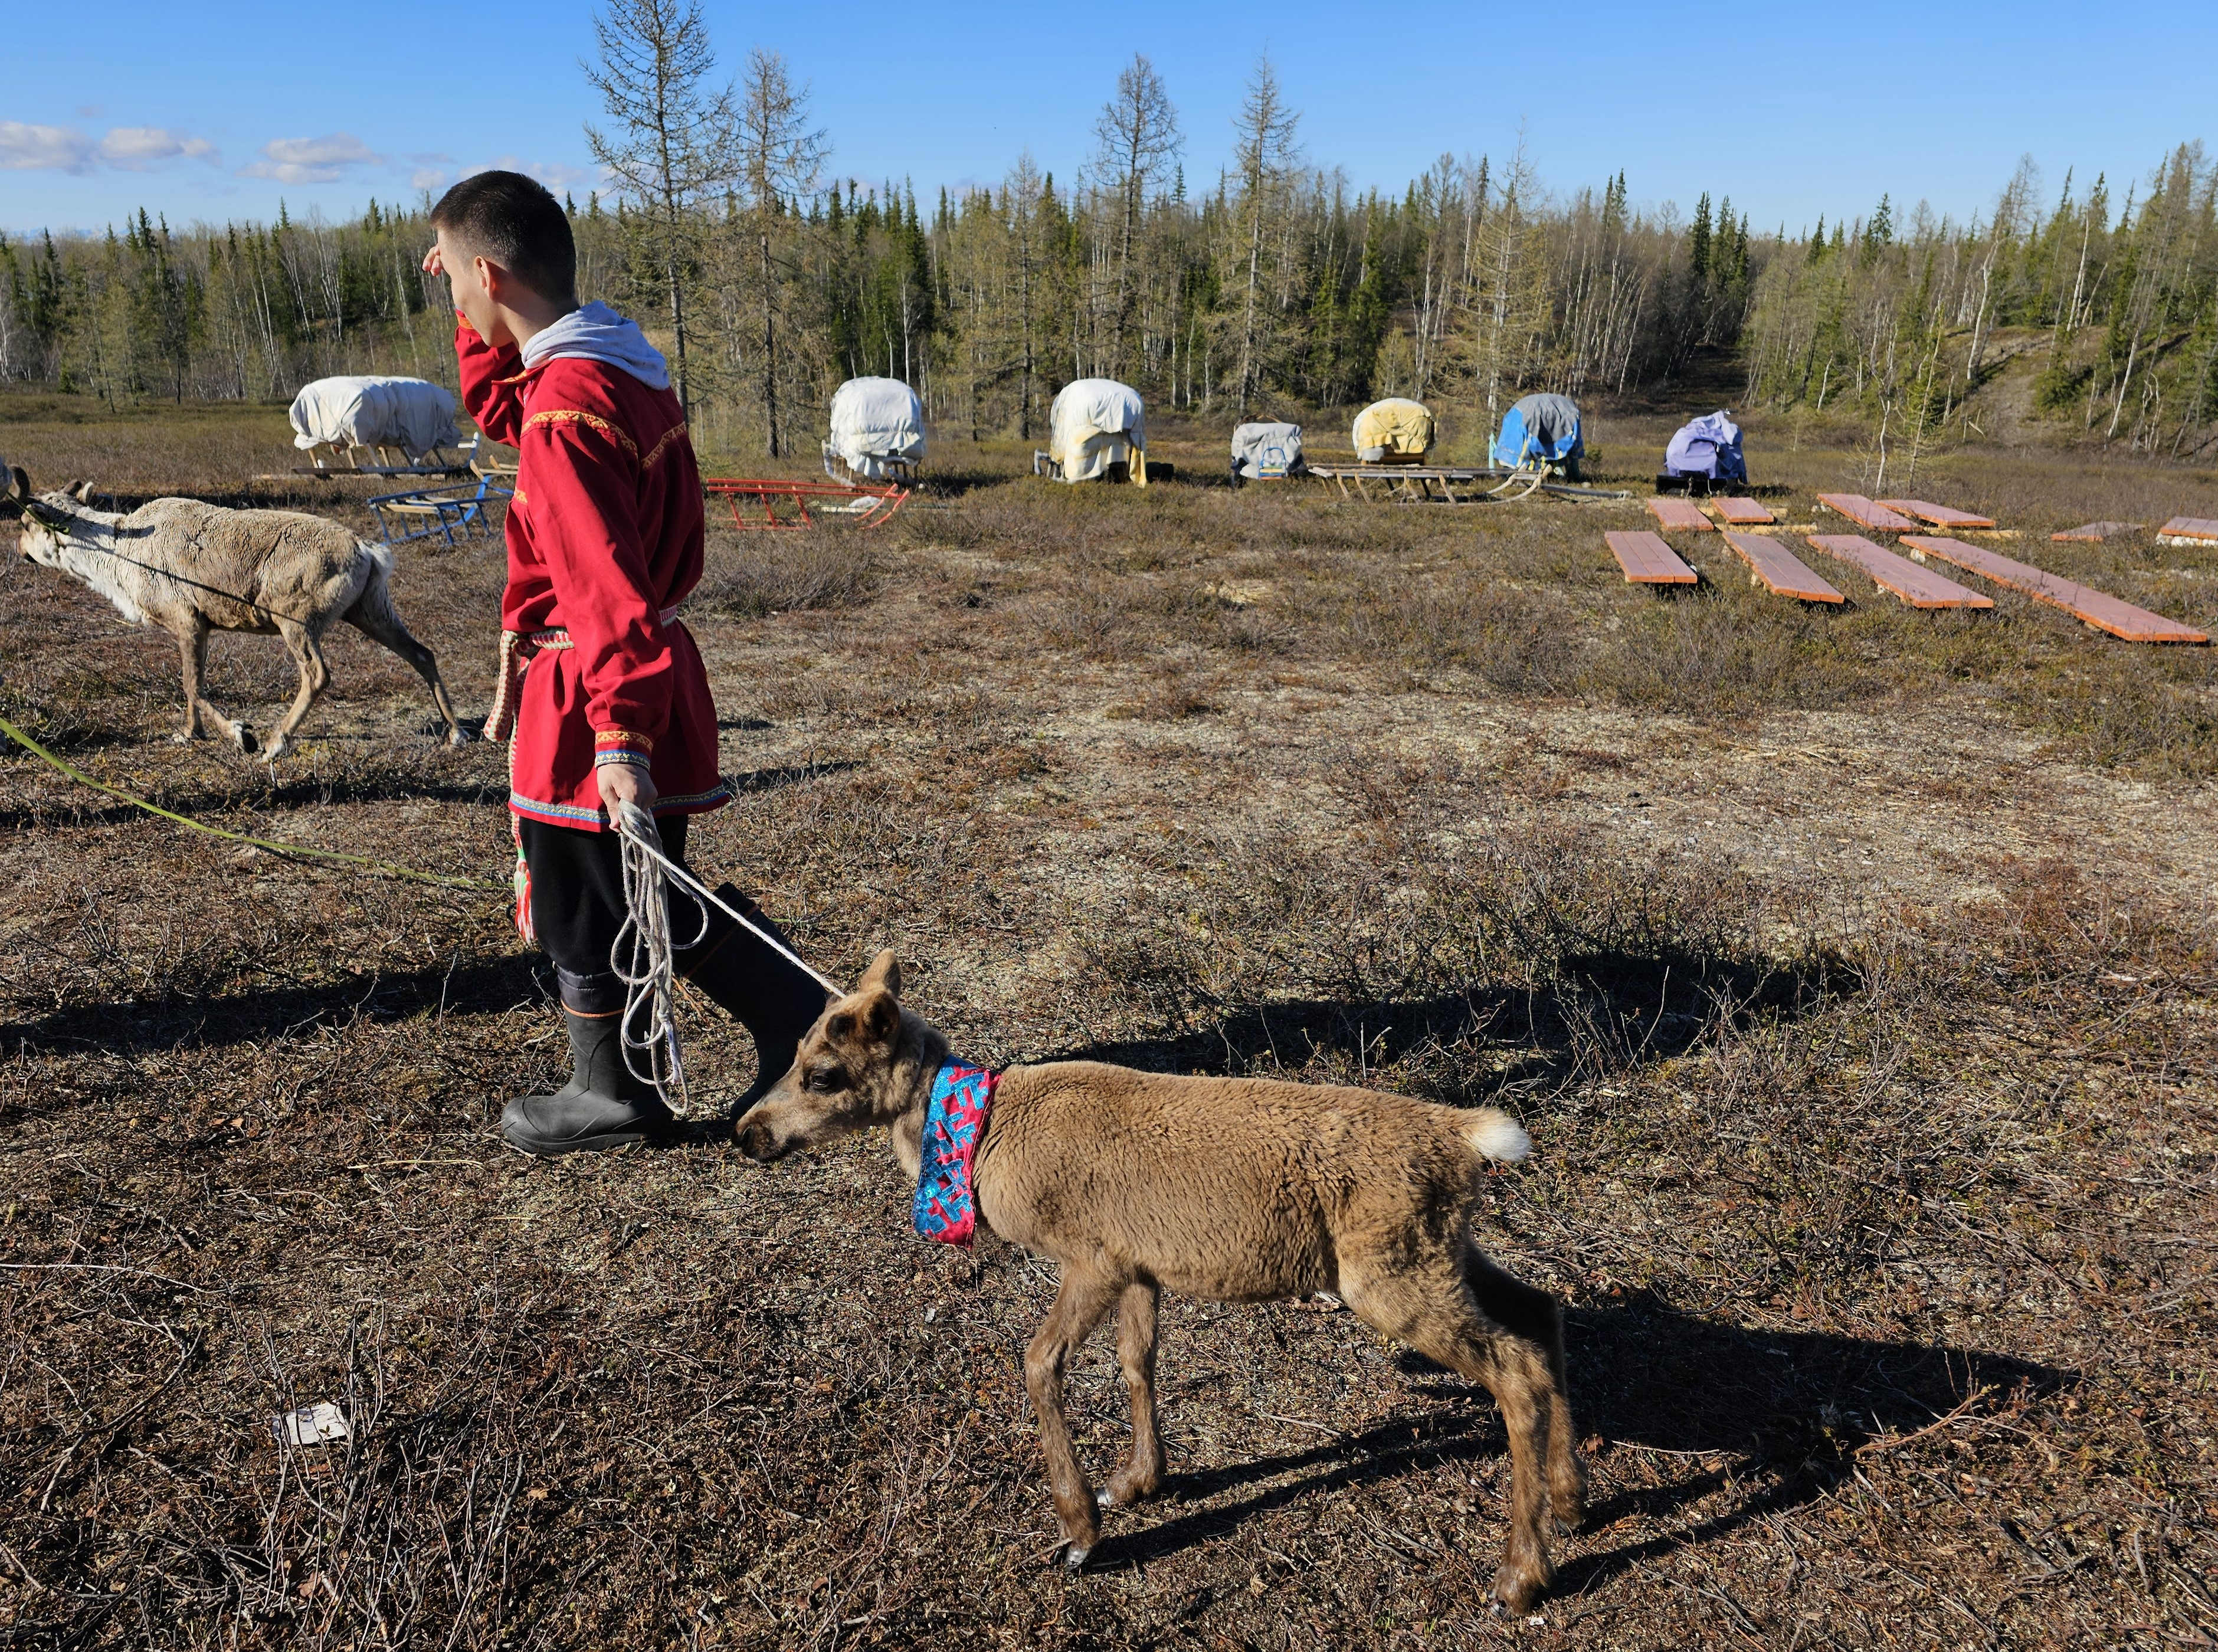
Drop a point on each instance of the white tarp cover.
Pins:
(373, 411)
(874, 420)
(1395, 428)
(1095, 423)
(1266, 450)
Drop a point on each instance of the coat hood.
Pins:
(599, 334)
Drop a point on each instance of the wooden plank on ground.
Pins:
(2098, 531)
(1781, 570)
(1745, 513)
(2189, 530)
(1681, 513)
(1647, 560)
(1919, 587)
(1941, 515)
(1866, 514)
(2096, 608)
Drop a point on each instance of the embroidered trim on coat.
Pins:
(574, 416)
(571, 814)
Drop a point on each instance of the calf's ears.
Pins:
(883, 976)
(19, 487)
(83, 493)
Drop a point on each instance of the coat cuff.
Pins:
(622, 746)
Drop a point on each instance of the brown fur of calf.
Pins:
(1232, 1189)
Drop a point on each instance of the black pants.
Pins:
(578, 904)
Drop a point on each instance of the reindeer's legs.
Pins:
(374, 616)
(1538, 1317)
(1136, 1353)
(1079, 1304)
(192, 643)
(315, 677)
(1430, 1308)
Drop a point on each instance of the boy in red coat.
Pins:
(604, 542)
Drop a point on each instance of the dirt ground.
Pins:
(1852, 970)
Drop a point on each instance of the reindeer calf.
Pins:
(193, 568)
(1233, 1190)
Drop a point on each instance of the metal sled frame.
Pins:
(468, 505)
(867, 504)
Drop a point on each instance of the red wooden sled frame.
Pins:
(769, 492)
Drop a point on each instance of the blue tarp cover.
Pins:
(1540, 426)
(1708, 446)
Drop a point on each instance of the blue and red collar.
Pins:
(946, 1208)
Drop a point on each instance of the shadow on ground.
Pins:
(1779, 1419)
(478, 985)
(1600, 1010)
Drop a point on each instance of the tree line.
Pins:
(1270, 286)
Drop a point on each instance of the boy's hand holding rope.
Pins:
(643, 956)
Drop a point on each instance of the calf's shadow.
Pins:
(1787, 1412)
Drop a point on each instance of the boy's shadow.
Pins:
(1791, 1413)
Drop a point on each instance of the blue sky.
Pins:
(215, 110)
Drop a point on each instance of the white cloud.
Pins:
(25, 148)
(311, 160)
(133, 148)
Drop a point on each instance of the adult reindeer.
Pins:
(192, 568)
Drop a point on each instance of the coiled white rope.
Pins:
(642, 956)
(643, 959)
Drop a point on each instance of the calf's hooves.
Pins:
(1073, 1558)
(1516, 1588)
(458, 737)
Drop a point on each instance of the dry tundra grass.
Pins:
(1853, 973)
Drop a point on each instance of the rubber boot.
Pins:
(775, 1001)
(603, 1106)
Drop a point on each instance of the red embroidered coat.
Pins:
(605, 538)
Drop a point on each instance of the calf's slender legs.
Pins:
(1079, 1305)
(1465, 1313)
(1430, 1309)
(1136, 1354)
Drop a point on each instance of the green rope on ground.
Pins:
(285, 850)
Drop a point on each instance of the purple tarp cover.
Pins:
(1708, 446)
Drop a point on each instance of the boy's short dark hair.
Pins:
(513, 221)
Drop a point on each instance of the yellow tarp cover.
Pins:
(1396, 428)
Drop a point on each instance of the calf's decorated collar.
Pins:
(946, 1208)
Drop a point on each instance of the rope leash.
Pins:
(284, 851)
(642, 957)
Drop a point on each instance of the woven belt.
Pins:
(557, 637)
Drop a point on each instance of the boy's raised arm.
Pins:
(490, 389)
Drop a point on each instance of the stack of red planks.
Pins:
(1781, 570)
(1866, 514)
(1744, 513)
(1941, 515)
(1647, 560)
(2189, 530)
(1681, 513)
(2095, 608)
(1919, 587)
